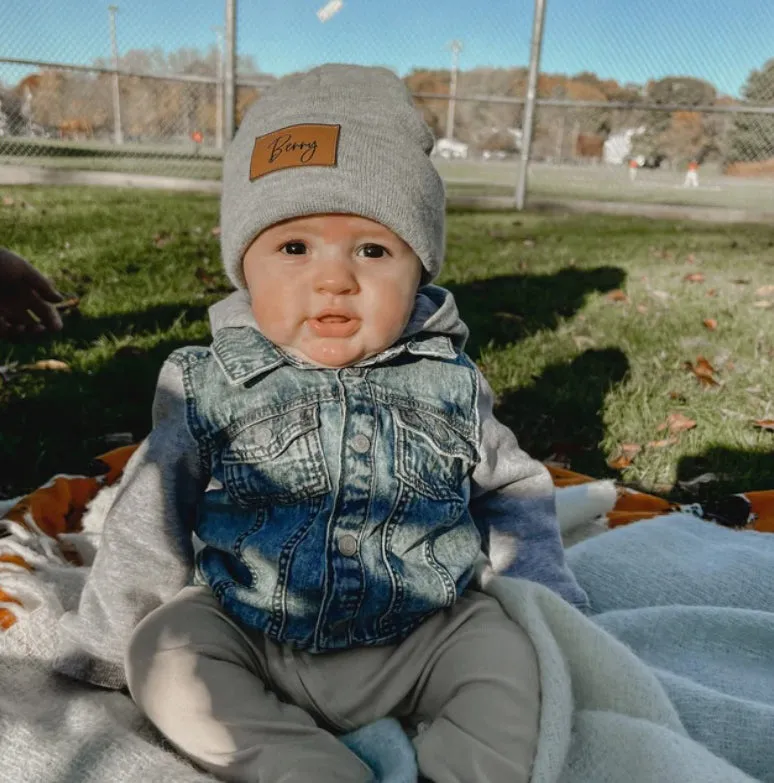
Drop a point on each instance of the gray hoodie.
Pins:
(147, 553)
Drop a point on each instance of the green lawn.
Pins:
(577, 373)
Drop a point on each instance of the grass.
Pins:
(577, 373)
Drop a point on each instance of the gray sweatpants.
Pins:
(248, 709)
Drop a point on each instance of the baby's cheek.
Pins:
(273, 313)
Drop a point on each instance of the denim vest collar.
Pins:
(244, 354)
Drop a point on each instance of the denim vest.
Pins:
(337, 514)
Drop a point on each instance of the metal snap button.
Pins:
(348, 545)
(361, 443)
(262, 435)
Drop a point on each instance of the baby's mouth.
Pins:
(334, 325)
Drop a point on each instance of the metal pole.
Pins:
(529, 107)
(219, 92)
(118, 132)
(456, 48)
(229, 120)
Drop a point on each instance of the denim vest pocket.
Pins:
(431, 456)
(277, 459)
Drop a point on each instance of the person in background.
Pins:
(692, 175)
(633, 167)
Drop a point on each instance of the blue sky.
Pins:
(629, 40)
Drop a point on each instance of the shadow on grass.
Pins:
(560, 413)
(504, 310)
(733, 471)
(82, 332)
(63, 420)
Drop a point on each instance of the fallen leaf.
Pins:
(712, 292)
(762, 304)
(620, 462)
(694, 277)
(661, 444)
(47, 364)
(673, 395)
(68, 305)
(162, 238)
(617, 295)
(625, 456)
(663, 295)
(764, 424)
(710, 323)
(8, 201)
(765, 290)
(676, 422)
(641, 308)
(703, 371)
(690, 258)
(215, 231)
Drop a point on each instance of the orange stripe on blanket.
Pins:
(762, 505)
(15, 560)
(58, 508)
(7, 617)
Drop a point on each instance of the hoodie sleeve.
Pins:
(512, 503)
(145, 556)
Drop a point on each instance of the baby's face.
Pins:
(331, 289)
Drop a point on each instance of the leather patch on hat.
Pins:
(294, 146)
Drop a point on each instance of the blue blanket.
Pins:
(696, 602)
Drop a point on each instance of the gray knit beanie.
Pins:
(337, 139)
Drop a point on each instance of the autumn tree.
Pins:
(752, 137)
(681, 137)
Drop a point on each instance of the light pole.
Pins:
(219, 90)
(229, 118)
(118, 132)
(529, 107)
(456, 48)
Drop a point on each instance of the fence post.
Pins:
(230, 97)
(118, 133)
(529, 107)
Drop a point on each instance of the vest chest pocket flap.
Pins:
(276, 459)
(431, 456)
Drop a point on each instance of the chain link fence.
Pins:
(139, 109)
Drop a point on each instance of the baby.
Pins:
(290, 554)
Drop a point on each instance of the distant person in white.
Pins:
(692, 175)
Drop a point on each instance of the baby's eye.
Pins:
(294, 248)
(373, 251)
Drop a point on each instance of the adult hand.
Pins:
(26, 298)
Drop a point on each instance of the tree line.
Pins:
(156, 110)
